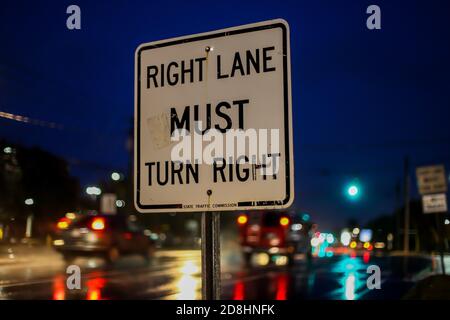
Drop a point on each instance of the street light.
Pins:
(330, 238)
(93, 191)
(353, 190)
(346, 237)
(115, 176)
(29, 201)
(120, 203)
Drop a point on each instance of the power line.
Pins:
(25, 119)
(53, 125)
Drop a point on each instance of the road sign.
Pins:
(108, 203)
(233, 81)
(431, 179)
(434, 203)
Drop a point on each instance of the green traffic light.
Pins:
(353, 191)
(305, 217)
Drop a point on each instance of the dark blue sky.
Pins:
(362, 100)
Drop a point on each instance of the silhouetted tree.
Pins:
(37, 174)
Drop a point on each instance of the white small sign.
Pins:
(108, 203)
(434, 203)
(431, 179)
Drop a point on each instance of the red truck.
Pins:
(275, 234)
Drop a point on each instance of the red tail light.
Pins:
(63, 223)
(127, 236)
(242, 219)
(98, 223)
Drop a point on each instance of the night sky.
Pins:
(362, 99)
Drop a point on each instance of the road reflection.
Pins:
(352, 271)
(239, 291)
(275, 288)
(282, 287)
(177, 275)
(349, 287)
(181, 281)
(94, 288)
(59, 288)
(189, 284)
(330, 277)
(93, 291)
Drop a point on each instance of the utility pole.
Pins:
(398, 214)
(440, 231)
(406, 212)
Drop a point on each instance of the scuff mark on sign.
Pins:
(159, 129)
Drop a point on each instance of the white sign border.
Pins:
(248, 205)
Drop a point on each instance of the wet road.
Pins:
(39, 273)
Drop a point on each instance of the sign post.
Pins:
(432, 185)
(441, 235)
(210, 235)
(213, 128)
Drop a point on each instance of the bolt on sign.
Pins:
(431, 179)
(213, 128)
(434, 203)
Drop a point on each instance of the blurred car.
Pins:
(107, 236)
(273, 234)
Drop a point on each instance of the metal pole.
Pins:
(440, 233)
(210, 255)
(406, 213)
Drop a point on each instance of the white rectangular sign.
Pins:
(434, 203)
(108, 203)
(431, 179)
(213, 128)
